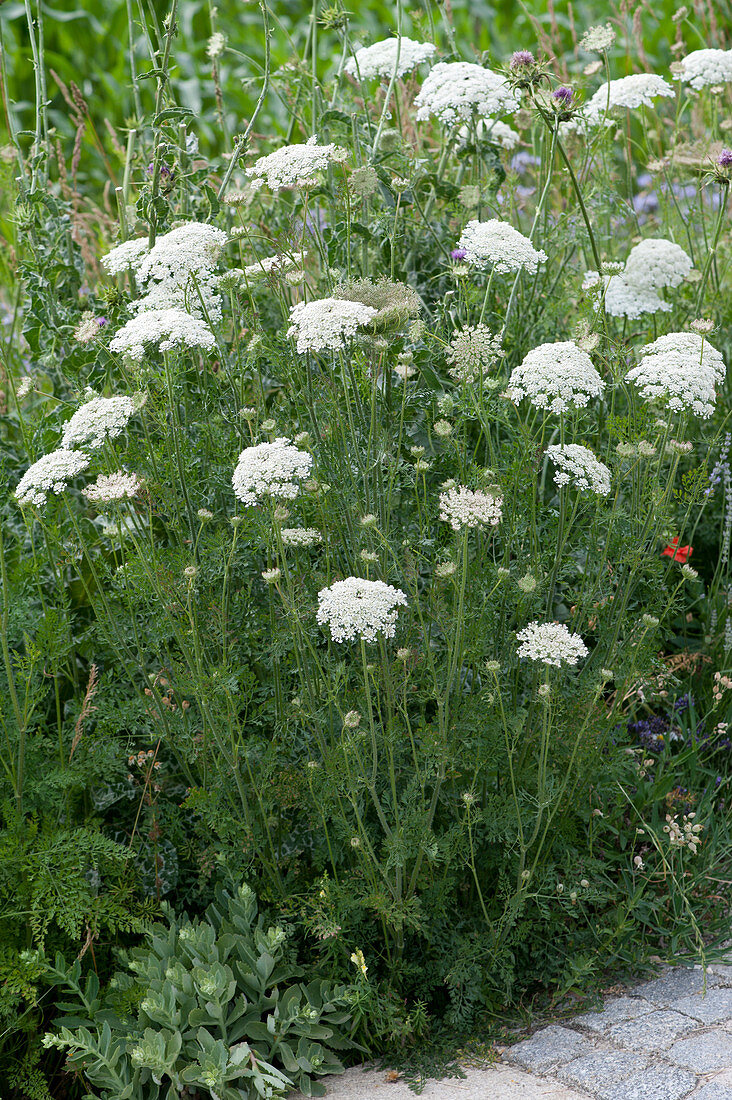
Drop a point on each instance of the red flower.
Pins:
(678, 553)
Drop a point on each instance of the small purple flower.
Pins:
(458, 254)
(724, 160)
(101, 321)
(522, 59)
(563, 96)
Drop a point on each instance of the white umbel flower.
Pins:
(357, 608)
(126, 256)
(462, 507)
(555, 377)
(99, 419)
(551, 643)
(622, 298)
(457, 91)
(327, 323)
(629, 92)
(381, 58)
(498, 245)
(703, 67)
(112, 487)
(657, 263)
(576, 465)
(598, 39)
(300, 536)
(179, 271)
(681, 369)
(270, 469)
(472, 352)
(50, 475)
(165, 329)
(295, 164)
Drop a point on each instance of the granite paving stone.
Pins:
(674, 984)
(551, 1046)
(713, 1008)
(653, 1032)
(713, 1090)
(615, 1011)
(601, 1068)
(660, 1082)
(722, 972)
(708, 1050)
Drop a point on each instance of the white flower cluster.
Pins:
(125, 256)
(598, 39)
(458, 90)
(295, 165)
(682, 369)
(99, 419)
(503, 135)
(111, 487)
(685, 835)
(357, 608)
(498, 245)
(462, 507)
(274, 264)
(327, 323)
(270, 469)
(472, 352)
(629, 92)
(50, 474)
(576, 465)
(555, 377)
(166, 328)
(702, 67)
(551, 643)
(300, 536)
(622, 298)
(179, 271)
(381, 58)
(657, 263)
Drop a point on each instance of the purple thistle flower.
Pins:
(458, 254)
(522, 59)
(563, 95)
(724, 160)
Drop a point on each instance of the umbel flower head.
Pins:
(703, 67)
(622, 298)
(498, 245)
(380, 59)
(550, 643)
(461, 507)
(656, 263)
(457, 91)
(472, 352)
(629, 92)
(681, 369)
(112, 487)
(270, 469)
(178, 272)
(164, 328)
(327, 323)
(576, 465)
(99, 419)
(555, 377)
(295, 165)
(395, 303)
(50, 474)
(357, 608)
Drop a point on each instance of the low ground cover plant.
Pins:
(366, 516)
